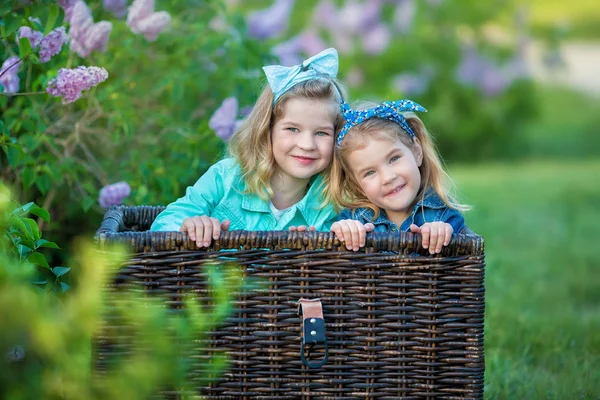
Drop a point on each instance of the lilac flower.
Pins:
(325, 14)
(118, 8)
(9, 78)
(350, 17)
(113, 195)
(223, 120)
(142, 19)
(404, 15)
(312, 42)
(34, 36)
(344, 42)
(355, 77)
(288, 52)
(371, 14)
(52, 43)
(270, 22)
(85, 35)
(67, 6)
(376, 40)
(71, 82)
(411, 84)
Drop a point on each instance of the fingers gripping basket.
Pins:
(398, 323)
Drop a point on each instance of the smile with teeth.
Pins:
(396, 190)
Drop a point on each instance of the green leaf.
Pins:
(28, 177)
(43, 183)
(40, 282)
(52, 17)
(13, 23)
(35, 232)
(40, 212)
(44, 243)
(24, 47)
(38, 259)
(87, 203)
(60, 271)
(64, 287)
(24, 251)
(18, 225)
(15, 155)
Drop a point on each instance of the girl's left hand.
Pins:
(435, 235)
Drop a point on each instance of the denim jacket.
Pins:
(430, 209)
(219, 193)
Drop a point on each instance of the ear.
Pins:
(418, 152)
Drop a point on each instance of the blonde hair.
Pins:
(251, 145)
(347, 192)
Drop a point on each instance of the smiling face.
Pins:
(388, 173)
(302, 138)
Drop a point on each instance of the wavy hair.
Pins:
(251, 145)
(346, 191)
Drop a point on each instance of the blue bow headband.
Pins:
(281, 79)
(387, 110)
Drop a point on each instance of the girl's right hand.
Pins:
(203, 229)
(352, 232)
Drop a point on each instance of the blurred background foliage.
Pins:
(513, 96)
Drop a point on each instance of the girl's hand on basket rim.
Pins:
(352, 232)
(203, 229)
(302, 228)
(435, 235)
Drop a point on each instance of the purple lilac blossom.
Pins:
(118, 8)
(288, 52)
(67, 6)
(325, 14)
(71, 82)
(355, 77)
(85, 35)
(376, 40)
(223, 121)
(404, 15)
(52, 43)
(141, 18)
(344, 42)
(9, 78)
(34, 36)
(350, 17)
(113, 195)
(411, 84)
(371, 14)
(270, 22)
(312, 42)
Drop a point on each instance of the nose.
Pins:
(306, 141)
(387, 175)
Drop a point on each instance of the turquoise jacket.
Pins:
(219, 194)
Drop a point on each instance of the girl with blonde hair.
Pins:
(388, 177)
(278, 174)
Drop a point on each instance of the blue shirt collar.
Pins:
(430, 200)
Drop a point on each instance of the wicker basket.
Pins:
(399, 323)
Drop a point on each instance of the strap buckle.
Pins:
(313, 330)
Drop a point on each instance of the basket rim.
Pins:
(117, 217)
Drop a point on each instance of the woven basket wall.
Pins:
(399, 323)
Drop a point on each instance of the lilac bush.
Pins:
(114, 194)
(143, 20)
(52, 43)
(9, 78)
(223, 121)
(71, 82)
(34, 36)
(117, 7)
(270, 22)
(87, 36)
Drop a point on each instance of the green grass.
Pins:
(541, 223)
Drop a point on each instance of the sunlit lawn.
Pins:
(541, 223)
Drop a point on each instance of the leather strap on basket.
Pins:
(313, 330)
